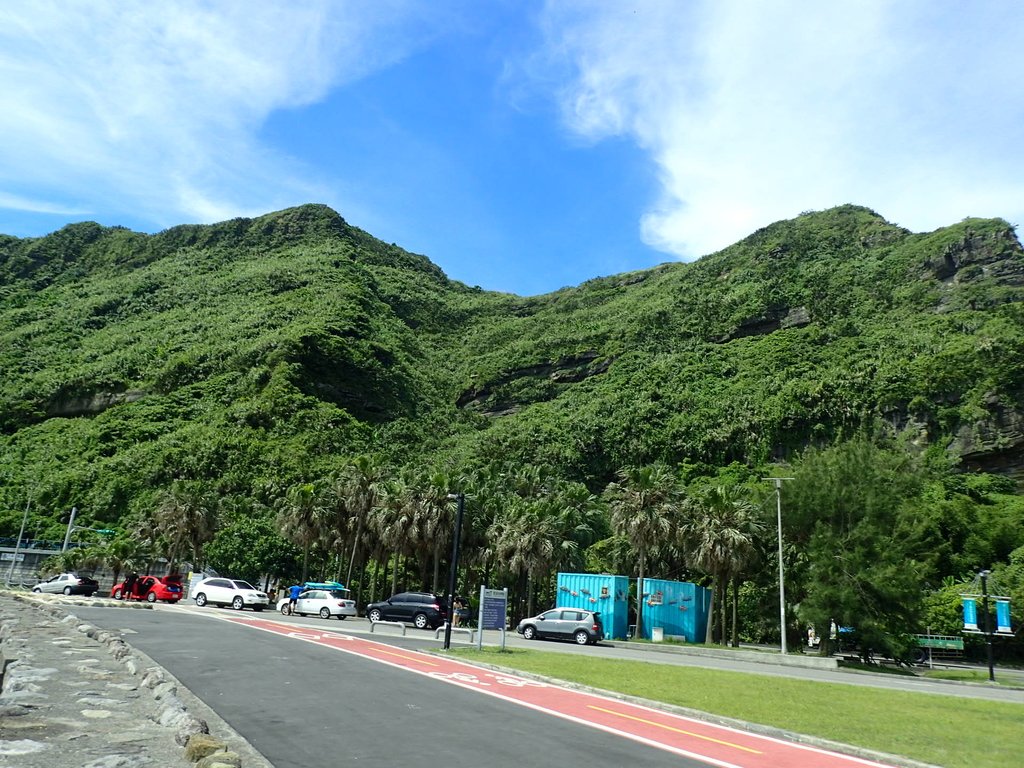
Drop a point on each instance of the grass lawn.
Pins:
(942, 730)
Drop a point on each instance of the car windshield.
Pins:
(243, 585)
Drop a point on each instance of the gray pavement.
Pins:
(73, 696)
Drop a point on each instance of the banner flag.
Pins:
(1003, 616)
(970, 614)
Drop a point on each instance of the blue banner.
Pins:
(1003, 616)
(970, 614)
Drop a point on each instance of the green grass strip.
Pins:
(942, 730)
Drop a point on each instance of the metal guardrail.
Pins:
(464, 630)
(399, 624)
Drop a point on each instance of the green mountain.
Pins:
(256, 353)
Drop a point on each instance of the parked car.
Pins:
(576, 624)
(68, 584)
(234, 592)
(421, 609)
(151, 589)
(323, 601)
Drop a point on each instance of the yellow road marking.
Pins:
(409, 658)
(676, 730)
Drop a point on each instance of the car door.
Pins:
(398, 608)
(307, 602)
(547, 623)
(569, 622)
(220, 591)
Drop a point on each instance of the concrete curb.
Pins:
(754, 657)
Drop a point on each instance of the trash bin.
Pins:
(657, 634)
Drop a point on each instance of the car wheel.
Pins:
(151, 597)
(581, 637)
(421, 621)
(284, 608)
(67, 590)
(201, 599)
(325, 613)
(238, 603)
(257, 608)
(117, 594)
(373, 615)
(340, 617)
(37, 590)
(529, 633)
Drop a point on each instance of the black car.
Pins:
(422, 609)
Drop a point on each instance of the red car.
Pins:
(151, 589)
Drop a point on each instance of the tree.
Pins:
(358, 487)
(719, 538)
(847, 509)
(524, 539)
(185, 516)
(645, 505)
(124, 554)
(300, 516)
(251, 547)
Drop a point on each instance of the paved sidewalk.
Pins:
(75, 696)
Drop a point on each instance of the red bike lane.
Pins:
(713, 744)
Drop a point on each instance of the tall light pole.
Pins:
(71, 527)
(782, 578)
(987, 624)
(461, 497)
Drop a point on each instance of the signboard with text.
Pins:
(493, 612)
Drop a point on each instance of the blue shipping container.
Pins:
(678, 607)
(603, 593)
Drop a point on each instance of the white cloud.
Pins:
(155, 106)
(756, 112)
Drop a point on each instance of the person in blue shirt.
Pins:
(293, 597)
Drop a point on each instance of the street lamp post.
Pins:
(782, 579)
(988, 624)
(461, 497)
(71, 527)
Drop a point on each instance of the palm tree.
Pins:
(524, 540)
(300, 516)
(359, 483)
(392, 518)
(187, 519)
(719, 539)
(645, 506)
(124, 554)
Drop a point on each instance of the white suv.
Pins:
(238, 594)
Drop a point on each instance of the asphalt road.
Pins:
(640, 652)
(304, 705)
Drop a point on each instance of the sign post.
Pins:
(493, 609)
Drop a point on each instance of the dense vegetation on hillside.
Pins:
(248, 369)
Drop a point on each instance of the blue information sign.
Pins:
(494, 610)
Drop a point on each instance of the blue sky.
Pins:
(521, 146)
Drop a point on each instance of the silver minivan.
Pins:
(576, 624)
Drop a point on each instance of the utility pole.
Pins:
(71, 527)
(782, 578)
(988, 624)
(461, 498)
